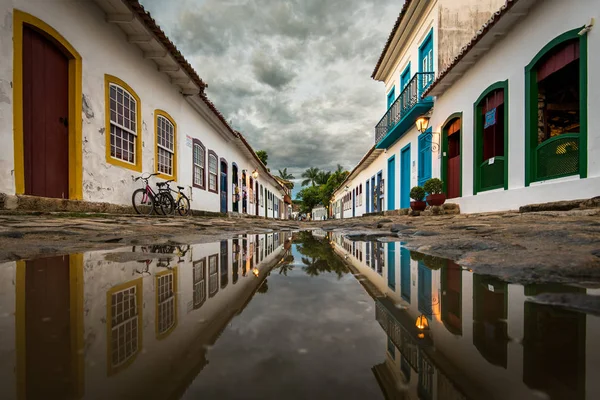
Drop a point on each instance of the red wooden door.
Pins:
(47, 329)
(453, 182)
(45, 112)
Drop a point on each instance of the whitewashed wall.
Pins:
(104, 50)
(507, 60)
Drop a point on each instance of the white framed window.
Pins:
(199, 159)
(165, 145)
(212, 172)
(124, 325)
(123, 124)
(165, 302)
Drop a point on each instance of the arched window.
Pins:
(213, 170)
(490, 161)
(165, 150)
(556, 115)
(123, 125)
(199, 165)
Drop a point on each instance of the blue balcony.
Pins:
(404, 112)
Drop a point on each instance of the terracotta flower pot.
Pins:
(418, 205)
(436, 199)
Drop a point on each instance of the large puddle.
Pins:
(285, 316)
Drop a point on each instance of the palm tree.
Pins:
(311, 176)
(339, 169)
(283, 174)
(323, 177)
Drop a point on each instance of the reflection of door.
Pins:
(405, 177)
(451, 277)
(48, 356)
(45, 112)
(490, 310)
(224, 264)
(391, 183)
(223, 187)
(424, 304)
(391, 272)
(405, 274)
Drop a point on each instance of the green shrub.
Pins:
(417, 193)
(434, 186)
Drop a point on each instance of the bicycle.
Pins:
(145, 200)
(182, 203)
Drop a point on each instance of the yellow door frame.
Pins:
(20, 19)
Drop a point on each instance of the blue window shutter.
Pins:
(391, 97)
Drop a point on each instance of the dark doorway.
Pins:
(223, 186)
(45, 112)
(235, 195)
(257, 197)
(244, 194)
(48, 330)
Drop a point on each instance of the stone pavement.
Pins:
(537, 247)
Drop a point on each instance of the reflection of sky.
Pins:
(307, 337)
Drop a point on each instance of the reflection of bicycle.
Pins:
(146, 201)
(181, 202)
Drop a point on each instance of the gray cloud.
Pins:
(293, 76)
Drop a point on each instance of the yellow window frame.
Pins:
(164, 114)
(108, 79)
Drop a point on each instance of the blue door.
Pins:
(424, 157)
(424, 290)
(223, 187)
(373, 195)
(426, 61)
(391, 273)
(391, 183)
(391, 97)
(367, 197)
(405, 273)
(405, 177)
(405, 78)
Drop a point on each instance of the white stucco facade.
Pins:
(507, 60)
(105, 49)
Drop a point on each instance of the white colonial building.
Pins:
(93, 94)
(506, 90)
(426, 37)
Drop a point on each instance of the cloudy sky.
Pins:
(293, 76)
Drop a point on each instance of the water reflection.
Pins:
(480, 337)
(94, 325)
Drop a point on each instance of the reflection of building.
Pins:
(121, 323)
(483, 339)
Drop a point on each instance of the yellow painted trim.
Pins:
(20, 19)
(139, 284)
(108, 79)
(167, 332)
(77, 312)
(162, 113)
(76, 320)
(20, 327)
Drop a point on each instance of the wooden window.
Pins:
(166, 302)
(123, 120)
(213, 275)
(165, 153)
(125, 324)
(199, 279)
(199, 165)
(213, 171)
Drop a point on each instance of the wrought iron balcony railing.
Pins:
(410, 96)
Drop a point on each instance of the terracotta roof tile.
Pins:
(497, 16)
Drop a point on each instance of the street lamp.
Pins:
(422, 123)
(255, 174)
(422, 322)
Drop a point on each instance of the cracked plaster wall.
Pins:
(104, 50)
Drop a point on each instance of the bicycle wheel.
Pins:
(183, 206)
(142, 203)
(164, 203)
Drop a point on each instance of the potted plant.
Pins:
(417, 193)
(434, 187)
